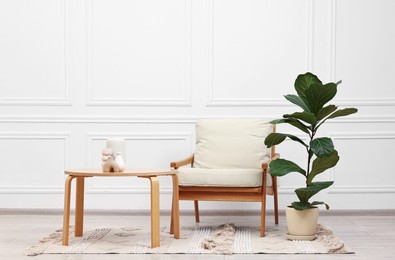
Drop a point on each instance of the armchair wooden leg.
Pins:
(263, 211)
(172, 218)
(263, 217)
(275, 196)
(175, 210)
(196, 204)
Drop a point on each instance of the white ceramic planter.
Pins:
(301, 224)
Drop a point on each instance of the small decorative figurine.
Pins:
(120, 162)
(111, 165)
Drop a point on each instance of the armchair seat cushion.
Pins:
(221, 177)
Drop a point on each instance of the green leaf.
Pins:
(322, 164)
(320, 203)
(315, 187)
(307, 205)
(303, 82)
(278, 121)
(317, 95)
(274, 139)
(301, 205)
(343, 112)
(304, 116)
(324, 112)
(322, 147)
(297, 101)
(277, 138)
(281, 167)
(294, 138)
(292, 121)
(304, 194)
(299, 125)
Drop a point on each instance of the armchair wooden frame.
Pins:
(248, 194)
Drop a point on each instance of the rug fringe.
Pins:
(45, 242)
(333, 243)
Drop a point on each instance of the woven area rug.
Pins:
(223, 239)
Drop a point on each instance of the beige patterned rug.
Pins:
(224, 239)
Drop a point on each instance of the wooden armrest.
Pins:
(186, 161)
(274, 157)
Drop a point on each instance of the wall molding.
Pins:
(333, 64)
(152, 102)
(346, 190)
(361, 102)
(221, 102)
(310, 34)
(363, 190)
(32, 190)
(365, 102)
(332, 41)
(31, 135)
(353, 189)
(160, 119)
(63, 101)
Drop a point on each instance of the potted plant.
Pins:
(312, 97)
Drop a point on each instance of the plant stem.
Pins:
(313, 131)
(308, 166)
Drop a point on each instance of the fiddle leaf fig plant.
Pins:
(312, 97)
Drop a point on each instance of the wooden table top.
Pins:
(126, 172)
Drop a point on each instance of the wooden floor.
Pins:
(371, 234)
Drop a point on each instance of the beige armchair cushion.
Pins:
(229, 153)
(231, 143)
(220, 177)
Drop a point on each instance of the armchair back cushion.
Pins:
(231, 143)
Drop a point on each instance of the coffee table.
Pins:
(152, 175)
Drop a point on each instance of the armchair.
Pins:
(230, 163)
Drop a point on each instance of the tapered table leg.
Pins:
(66, 210)
(155, 212)
(79, 207)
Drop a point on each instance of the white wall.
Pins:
(73, 73)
